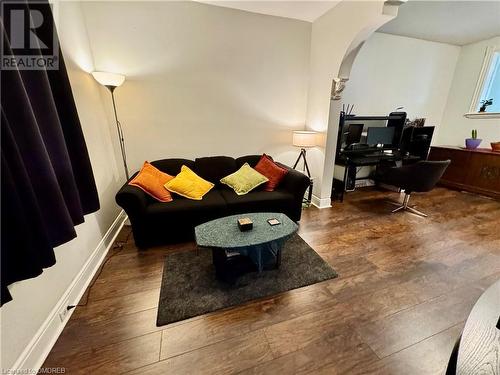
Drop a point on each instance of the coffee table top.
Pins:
(224, 232)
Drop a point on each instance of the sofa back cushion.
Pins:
(252, 160)
(172, 166)
(214, 168)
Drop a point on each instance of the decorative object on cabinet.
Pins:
(495, 146)
(474, 142)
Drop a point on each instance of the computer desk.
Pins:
(363, 160)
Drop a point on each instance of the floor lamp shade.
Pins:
(302, 138)
(109, 79)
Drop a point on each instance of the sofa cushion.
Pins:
(258, 201)
(214, 168)
(183, 207)
(252, 160)
(172, 166)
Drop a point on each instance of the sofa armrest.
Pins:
(295, 182)
(132, 199)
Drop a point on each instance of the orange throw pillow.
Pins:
(267, 167)
(151, 180)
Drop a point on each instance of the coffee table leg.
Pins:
(219, 261)
(275, 247)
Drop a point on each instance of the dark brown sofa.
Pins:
(156, 223)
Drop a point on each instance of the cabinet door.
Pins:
(484, 172)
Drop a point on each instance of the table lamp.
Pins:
(111, 81)
(304, 139)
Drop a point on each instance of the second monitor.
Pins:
(380, 135)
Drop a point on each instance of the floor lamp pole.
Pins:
(120, 132)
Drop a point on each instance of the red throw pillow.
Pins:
(272, 171)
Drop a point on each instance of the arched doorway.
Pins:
(323, 113)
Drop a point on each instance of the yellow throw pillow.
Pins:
(244, 179)
(189, 185)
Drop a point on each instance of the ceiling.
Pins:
(300, 10)
(452, 22)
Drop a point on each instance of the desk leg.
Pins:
(344, 182)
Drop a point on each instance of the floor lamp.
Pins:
(111, 81)
(304, 139)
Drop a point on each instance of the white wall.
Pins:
(34, 299)
(392, 71)
(455, 127)
(202, 80)
(334, 36)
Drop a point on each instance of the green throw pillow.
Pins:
(244, 179)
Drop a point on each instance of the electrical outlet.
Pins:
(63, 314)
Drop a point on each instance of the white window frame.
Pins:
(473, 112)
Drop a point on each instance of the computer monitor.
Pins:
(417, 141)
(354, 132)
(376, 136)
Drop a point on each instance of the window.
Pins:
(488, 87)
(491, 86)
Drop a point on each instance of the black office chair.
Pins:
(419, 177)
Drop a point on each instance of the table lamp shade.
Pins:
(109, 79)
(303, 138)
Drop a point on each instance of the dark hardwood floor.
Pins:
(406, 286)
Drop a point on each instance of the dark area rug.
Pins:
(189, 287)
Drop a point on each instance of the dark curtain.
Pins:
(46, 177)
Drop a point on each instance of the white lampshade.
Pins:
(303, 138)
(109, 79)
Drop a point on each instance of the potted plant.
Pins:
(474, 142)
(485, 103)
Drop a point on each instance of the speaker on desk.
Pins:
(397, 121)
(417, 141)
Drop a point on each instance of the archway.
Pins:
(323, 114)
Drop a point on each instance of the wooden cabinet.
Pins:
(477, 171)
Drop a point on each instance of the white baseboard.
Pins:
(41, 344)
(321, 202)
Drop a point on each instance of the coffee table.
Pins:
(261, 244)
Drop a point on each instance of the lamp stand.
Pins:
(120, 133)
(303, 156)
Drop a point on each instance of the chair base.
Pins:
(405, 207)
